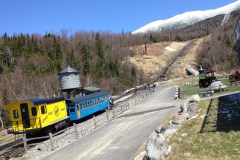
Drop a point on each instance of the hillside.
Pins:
(156, 58)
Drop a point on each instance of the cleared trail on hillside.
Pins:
(161, 74)
(181, 53)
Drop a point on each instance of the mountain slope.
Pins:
(186, 19)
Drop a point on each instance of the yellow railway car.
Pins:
(37, 114)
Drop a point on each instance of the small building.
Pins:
(237, 36)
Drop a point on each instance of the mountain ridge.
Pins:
(186, 19)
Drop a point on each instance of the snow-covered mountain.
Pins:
(186, 19)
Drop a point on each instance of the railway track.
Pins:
(12, 150)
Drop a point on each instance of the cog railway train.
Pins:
(48, 115)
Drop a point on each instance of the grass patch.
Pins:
(214, 134)
(192, 88)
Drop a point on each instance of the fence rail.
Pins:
(111, 114)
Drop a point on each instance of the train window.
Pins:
(15, 113)
(87, 104)
(72, 109)
(34, 111)
(81, 106)
(71, 104)
(43, 109)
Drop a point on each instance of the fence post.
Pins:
(25, 144)
(51, 141)
(94, 120)
(113, 113)
(128, 106)
(107, 114)
(75, 129)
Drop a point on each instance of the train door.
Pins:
(25, 115)
(78, 111)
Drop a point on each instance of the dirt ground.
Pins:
(152, 58)
(189, 60)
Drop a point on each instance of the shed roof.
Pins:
(92, 89)
(69, 70)
(89, 96)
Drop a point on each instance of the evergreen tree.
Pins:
(99, 46)
(86, 58)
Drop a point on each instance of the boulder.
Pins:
(183, 107)
(193, 98)
(171, 129)
(157, 148)
(140, 156)
(179, 119)
(191, 109)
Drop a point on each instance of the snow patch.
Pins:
(170, 49)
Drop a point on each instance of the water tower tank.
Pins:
(69, 79)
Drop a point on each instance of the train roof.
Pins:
(89, 96)
(37, 101)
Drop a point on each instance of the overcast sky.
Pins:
(41, 16)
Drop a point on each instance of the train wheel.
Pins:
(47, 130)
(29, 135)
(200, 84)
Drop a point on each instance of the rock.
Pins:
(157, 148)
(193, 117)
(187, 154)
(183, 106)
(192, 109)
(140, 156)
(193, 98)
(184, 135)
(160, 130)
(171, 129)
(179, 119)
(186, 115)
